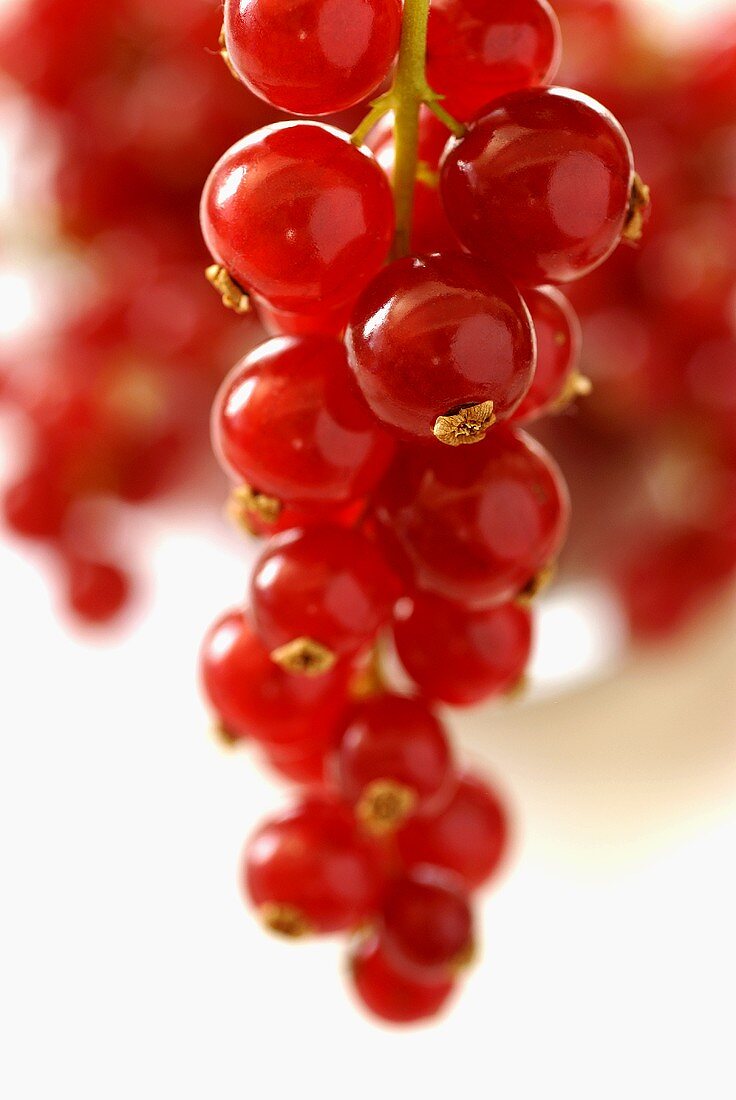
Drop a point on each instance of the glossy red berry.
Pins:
(474, 526)
(313, 57)
(96, 590)
(290, 422)
(427, 925)
(393, 759)
(478, 50)
(540, 185)
(559, 340)
(308, 870)
(459, 656)
(252, 697)
(388, 993)
(469, 836)
(319, 594)
(299, 215)
(436, 335)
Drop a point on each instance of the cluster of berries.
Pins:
(133, 104)
(378, 438)
(654, 450)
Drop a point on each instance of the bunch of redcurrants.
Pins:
(408, 274)
(654, 450)
(111, 391)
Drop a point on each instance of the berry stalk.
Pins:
(408, 94)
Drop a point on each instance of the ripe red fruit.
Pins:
(314, 57)
(475, 527)
(469, 836)
(559, 341)
(427, 927)
(253, 697)
(308, 870)
(393, 759)
(319, 594)
(432, 336)
(390, 994)
(540, 185)
(460, 656)
(478, 50)
(297, 214)
(666, 577)
(96, 590)
(291, 423)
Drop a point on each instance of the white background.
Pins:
(129, 967)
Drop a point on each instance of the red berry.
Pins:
(319, 594)
(477, 526)
(541, 185)
(297, 214)
(35, 507)
(558, 353)
(459, 656)
(393, 759)
(427, 928)
(468, 837)
(97, 591)
(435, 335)
(668, 576)
(253, 697)
(290, 422)
(390, 994)
(308, 870)
(313, 57)
(478, 50)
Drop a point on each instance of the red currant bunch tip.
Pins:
(345, 437)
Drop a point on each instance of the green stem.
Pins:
(410, 91)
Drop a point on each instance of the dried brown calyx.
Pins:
(232, 294)
(537, 584)
(304, 657)
(638, 208)
(384, 806)
(225, 736)
(226, 56)
(246, 504)
(284, 920)
(576, 385)
(465, 425)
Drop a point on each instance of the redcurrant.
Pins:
(299, 215)
(541, 185)
(427, 925)
(472, 656)
(559, 338)
(290, 422)
(393, 759)
(468, 837)
(390, 994)
(477, 50)
(308, 870)
(475, 527)
(441, 344)
(314, 57)
(253, 697)
(319, 594)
